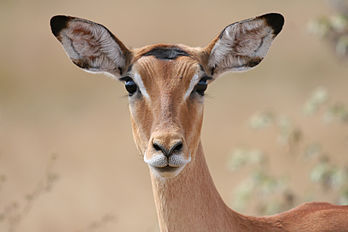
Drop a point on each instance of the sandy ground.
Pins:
(99, 181)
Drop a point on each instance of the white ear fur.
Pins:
(90, 46)
(244, 44)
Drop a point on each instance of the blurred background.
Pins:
(274, 137)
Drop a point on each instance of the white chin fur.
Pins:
(159, 160)
(165, 174)
(163, 167)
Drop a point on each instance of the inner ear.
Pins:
(242, 45)
(91, 46)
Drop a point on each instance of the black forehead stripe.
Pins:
(166, 53)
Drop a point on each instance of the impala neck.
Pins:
(190, 201)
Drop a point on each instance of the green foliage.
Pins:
(270, 191)
(261, 120)
(241, 157)
(287, 132)
(327, 174)
(331, 177)
(318, 98)
(267, 193)
(334, 28)
(336, 111)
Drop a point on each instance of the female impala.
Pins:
(166, 85)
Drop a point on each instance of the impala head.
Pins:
(166, 83)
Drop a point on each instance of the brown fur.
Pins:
(189, 202)
(164, 116)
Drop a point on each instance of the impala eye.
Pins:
(130, 85)
(201, 86)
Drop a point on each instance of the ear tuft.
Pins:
(58, 23)
(274, 20)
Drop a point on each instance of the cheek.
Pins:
(136, 136)
(141, 119)
(192, 117)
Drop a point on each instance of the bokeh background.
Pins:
(274, 137)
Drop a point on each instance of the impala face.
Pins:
(163, 90)
(166, 83)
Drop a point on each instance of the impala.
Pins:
(166, 85)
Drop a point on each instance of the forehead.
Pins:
(166, 63)
(165, 51)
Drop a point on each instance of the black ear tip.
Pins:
(275, 20)
(58, 23)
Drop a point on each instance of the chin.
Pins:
(166, 172)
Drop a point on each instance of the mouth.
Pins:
(166, 171)
(167, 168)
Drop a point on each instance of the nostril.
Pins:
(176, 148)
(157, 147)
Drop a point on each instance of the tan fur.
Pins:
(187, 201)
(164, 116)
(190, 201)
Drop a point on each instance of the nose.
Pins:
(175, 147)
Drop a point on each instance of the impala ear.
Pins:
(91, 46)
(242, 45)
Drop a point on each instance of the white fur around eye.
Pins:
(137, 79)
(193, 83)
